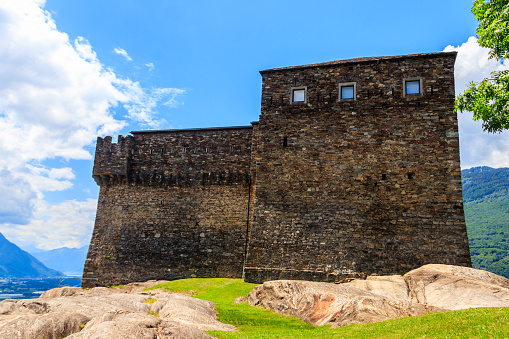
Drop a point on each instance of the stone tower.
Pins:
(357, 170)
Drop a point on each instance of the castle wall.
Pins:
(348, 188)
(323, 189)
(172, 204)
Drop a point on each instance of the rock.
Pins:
(61, 292)
(192, 312)
(171, 330)
(240, 300)
(431, 288)
(109, 313)
(456, 287)
(54, 325)
(391, 287)
(120, 324)
(330, 304)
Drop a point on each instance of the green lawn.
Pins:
(256, 322)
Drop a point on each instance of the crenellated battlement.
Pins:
(214, 156)
(112, 160)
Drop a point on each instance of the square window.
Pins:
(347, 92)
(412, 87)
(299, 95)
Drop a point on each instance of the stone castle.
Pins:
(352, 169)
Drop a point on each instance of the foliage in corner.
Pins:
(489, 99)
(493, 29)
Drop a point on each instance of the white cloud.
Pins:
(478, 148)
(16, 200)
(123, 53)
(150, 66)
(143, 102)
(55, 99)
(44, 179)
(69, 224)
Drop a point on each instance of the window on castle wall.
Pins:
(347, 91)
(412, 87)
(298, 94)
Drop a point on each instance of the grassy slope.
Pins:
(256, 322)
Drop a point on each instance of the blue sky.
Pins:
(72, 70)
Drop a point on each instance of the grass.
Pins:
(256, 322)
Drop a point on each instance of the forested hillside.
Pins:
(486, 203)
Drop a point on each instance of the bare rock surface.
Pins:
(430, 288)
(455, 287)
(330, 304)
(47, 325)
(391, 287)
(126, 312)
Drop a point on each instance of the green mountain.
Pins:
(486, 204)
(16, 263)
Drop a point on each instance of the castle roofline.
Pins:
(191, 130)
(361, 60)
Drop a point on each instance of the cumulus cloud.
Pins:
(150, 66)
(55, 99)
(16, 200)
(478, 148)
(68, 224)
(123, 53)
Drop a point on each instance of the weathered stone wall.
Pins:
(324, 189)
(348, 188)
(179, 210)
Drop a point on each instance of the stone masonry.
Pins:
(353, 169)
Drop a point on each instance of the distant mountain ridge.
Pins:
(68, 260)
(480, 183)
(16, 263)
(486, 204)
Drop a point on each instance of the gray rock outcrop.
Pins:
(430, 288)
(102, 312)
(455, 287)
(330, 304)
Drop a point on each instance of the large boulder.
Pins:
(330, 304)
(456, 287)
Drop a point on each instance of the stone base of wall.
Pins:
(259, 275)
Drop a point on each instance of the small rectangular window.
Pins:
(347, 91)
(298, 94)
(412, 87)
